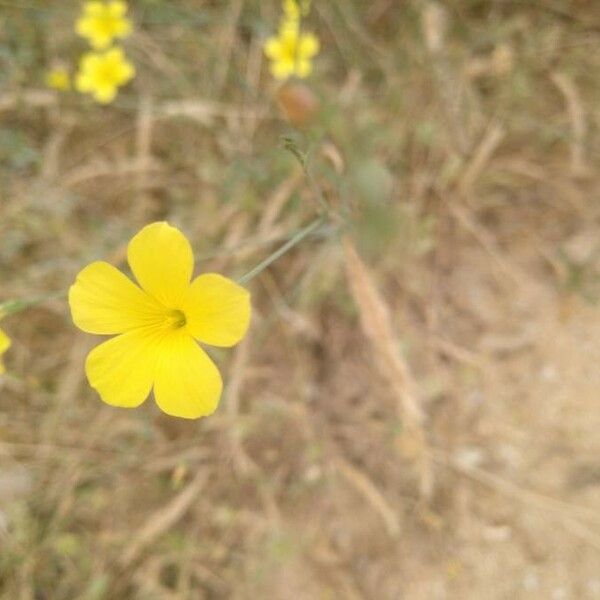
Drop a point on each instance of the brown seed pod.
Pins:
(297, 102)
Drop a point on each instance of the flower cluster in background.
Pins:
(291, 51)
(105, 68)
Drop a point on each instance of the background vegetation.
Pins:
(415, 412)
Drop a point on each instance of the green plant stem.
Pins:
(294, 241)
(10, 307)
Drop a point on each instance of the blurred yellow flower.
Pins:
(291, 51)
(4, 346)
(102, 73)
(103, 22)
(58, 79)
(158, 325)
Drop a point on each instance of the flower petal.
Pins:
(117, 9)
(273, 48)
(309, 45)
(303, 68)
(105, 94)
(217, 310)
(4, 346)
(122, 369)
(104, 301)
(187, 384)
(282, 69)
(93, 8)
(162, 261)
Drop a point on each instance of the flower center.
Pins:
(107, 74)
(176, 319)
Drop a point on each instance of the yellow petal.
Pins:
(282, 69)
(303, 68)
(309, 46)
(217, 310)
(117, 8)
(162, 261)
(122, 369)
(124, 71)
(115, 56)
(83, 83)
(93, 8)
(289, 30)
(105, 94)
(273, 48)
(105, 302)
(83, 26)
(4, 346)
(187, 384)
(100, 41)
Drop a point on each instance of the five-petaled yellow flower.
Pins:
(158, 326)
(292, 51)
(102, 73)
(102, 22)
(58, 79)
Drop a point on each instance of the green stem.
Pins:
(10, 307)
(294, 241)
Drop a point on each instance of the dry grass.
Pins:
(415, 413)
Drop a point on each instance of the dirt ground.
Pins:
(415, 411)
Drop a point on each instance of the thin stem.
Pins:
(10, 307)
(290, 145)
(294, 241)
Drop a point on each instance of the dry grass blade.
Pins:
(144, 134)
(162, 520)
(30, 98)
(242, 462)
(529, 497)
(485, 150)
(577, 119)
(375, 498)
(377, 327)
(278, 199)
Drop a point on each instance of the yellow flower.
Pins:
(102, 22)
(291, 52)
(58, 79)
(102, 73)
(158, 326)
(4, 346)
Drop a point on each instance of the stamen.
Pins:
(177, 319)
